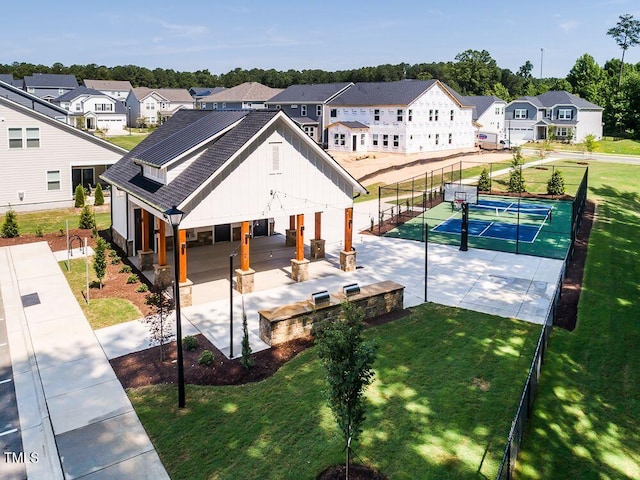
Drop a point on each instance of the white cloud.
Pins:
(567, 26)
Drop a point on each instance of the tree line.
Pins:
(614, 86)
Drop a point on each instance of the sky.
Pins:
(331, 35)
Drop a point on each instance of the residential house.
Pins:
(488, 114)
(307, 106)
(235, 174)
(406, 116)
(44, 158)
(251, 95)
(49, 86)
(8, 78)
(16, 94)
(154, 106)
(118, 89)
(198, 93)
(95, 110)
(555, 113)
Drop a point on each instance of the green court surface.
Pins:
(539, 227)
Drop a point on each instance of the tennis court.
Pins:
(509, 224)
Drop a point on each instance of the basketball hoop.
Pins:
(457, 204)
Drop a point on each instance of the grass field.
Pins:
(101, 312)
(606, 145)
(51, 221)
(127, 141)
(447, 385)
(586, 420)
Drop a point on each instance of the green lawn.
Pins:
(51, 221)
(101, 312)
(127, 141)
(586, 420)
(606, 145)
(447, 385)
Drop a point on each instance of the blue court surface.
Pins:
(482, 228)
(502, 206)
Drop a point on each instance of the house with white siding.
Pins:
(555, 113)
(95, 111)
(49, 86)
(488, 114)
(251, 95)
(118, 89)
(154, 106)
(407, 116)
(44, 158)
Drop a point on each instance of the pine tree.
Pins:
(484, 182)
(98, 196)
(247, 359)
(555, 185)
(87, 220)
(79, 196)
(348, 363)
(10, 227)
(516, 180)
(100, 259)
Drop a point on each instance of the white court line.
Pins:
(488, 227)
(5, 381)
(13, 430)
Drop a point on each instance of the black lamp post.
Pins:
(175, 217)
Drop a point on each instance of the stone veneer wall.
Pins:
(296, 320)
(120, 241)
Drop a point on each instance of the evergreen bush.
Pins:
(190, 342)
(484, 182)
(100, 259)
(87, 220)
(10, 227)
(555, 185)
(80, 196)
(98, 196)
(133, 278)
(206, 358)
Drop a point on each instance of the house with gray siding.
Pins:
(43, 158)
(154, 106)
(49, 85)
(555, 113)
(248, 95)
(37, 104)
(306, 105)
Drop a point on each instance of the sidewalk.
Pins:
(73, 410)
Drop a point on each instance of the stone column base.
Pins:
(244, 280)
(317, 248)
(186, 294)
(162, 277)
(348, 261)
(145, 259)
(299, 270)
(290, 237)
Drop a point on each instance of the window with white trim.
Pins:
(342, 139)
(104, 107)
(435, 116)
(336, 139)
(385, 140)
(451, 115)
(399, 115)
(410, 115)
(437, 139)
(562, 132)
(333, 113)
(431, 115)
(33, 137)
(61, 91)
(375, 139)
(450, 138)
(396, 140)
(362, 137)
(520, 114)
(31, 90)
(565, 114)
(15, 137)
(497, 111)
(53, 179)
(303, 110)
(275, 157)
(318, 110)
(376, 114)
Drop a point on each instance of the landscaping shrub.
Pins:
(206, 358)
(39, 231)
(484, 182)
(159, 320)
(80, 196)
(100, 259)
(516, 179)
(555, 186)
(143, 287)
(87, 220)
(98, 196)
(10, 227)
(133, 278)
(113, 253)
(190, 342)
(125, 269)
(115, 260)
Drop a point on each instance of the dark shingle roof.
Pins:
(402, 92)
(481, 103)
(561, 97)
(6, 78)
(76, 92)
(52, 80)
(127, 175)
(316, 93)
(354, 125)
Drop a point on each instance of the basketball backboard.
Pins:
(459, 192)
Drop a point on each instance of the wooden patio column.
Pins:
(182, 239)
(244, 274)
(317, 243)
(145, 255)
(348, 255)
(290, 233)
(162, 270)
(299, 265)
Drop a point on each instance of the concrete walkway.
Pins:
(73, 411)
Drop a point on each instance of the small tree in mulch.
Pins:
(516, 180)
(590, 143)
(160, 331)
(98, 196)
(484, 182)
(87, 219)
(100, 259)
(10, 227)
(79, 196)
(247, 359)
(347, 360)
(555, 185)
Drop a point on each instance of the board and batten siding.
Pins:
(25, 169)
(250, 189)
